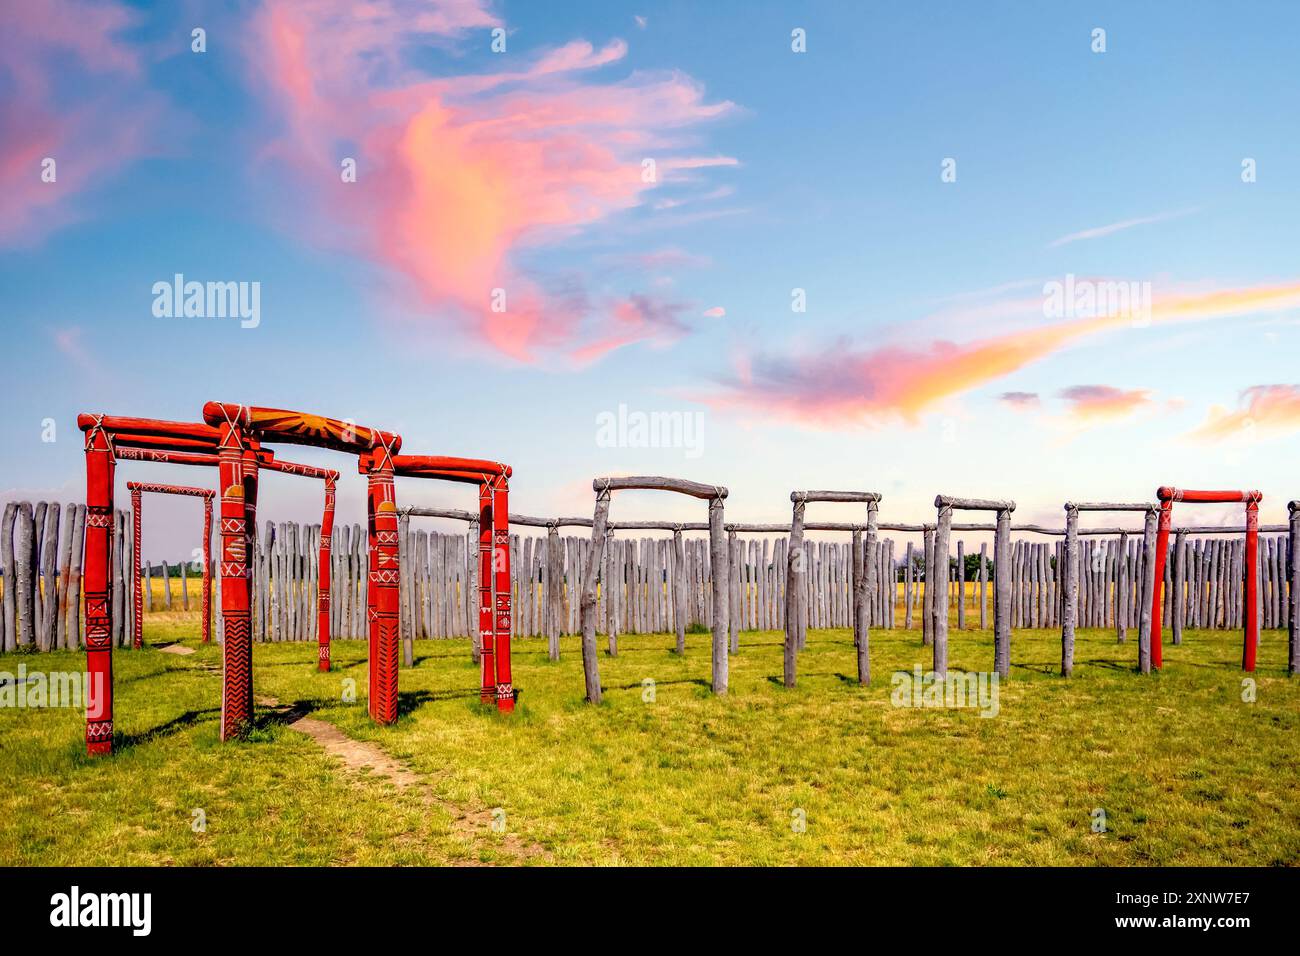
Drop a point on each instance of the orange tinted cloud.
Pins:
(1093, 403)
(1272, 408)
(461, 174)
(849, 384)
(73, 92)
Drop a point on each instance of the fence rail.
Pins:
(40, 577)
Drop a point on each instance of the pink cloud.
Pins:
(845, 383)
(463, 174)
(74, 93)
(1094, 403)
(1020, 400)
(716, 312)
(1269, 408)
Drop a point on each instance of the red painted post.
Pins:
(1162, 549)
(1168, 496)
(384, 578)
(324, 578)
(137, 600)
(487, 593)
(1250, 639)
(505, 692)
(207, 571)
(99, 609)
(236, 650)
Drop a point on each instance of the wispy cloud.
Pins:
(1096, 403)
(1261, 409)
(465, 172)
(1021, 401)
(845, 383)
(1098, 231)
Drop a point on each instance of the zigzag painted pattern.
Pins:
(237, 677)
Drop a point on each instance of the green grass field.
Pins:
(1185, 771)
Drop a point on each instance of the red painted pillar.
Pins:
(383, 596)
(486, 602)
(505, 691)
(207, 571)
(324, 579)
(1157, 592)
(236, 676)
(250, 477)
(99, 608)
(1250, 639)
(137, 600)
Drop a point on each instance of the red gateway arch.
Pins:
(493, 481)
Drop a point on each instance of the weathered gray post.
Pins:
(721, 602)
(590, 665)
(939, 630)
(405, 586)
(49, 599)
(606, 565)
(185, 586)
(1002, 592)
(614, 586)
(65, 567)
(796, 566)
(1070, 606)
(9, 620)
(864, 598)
(907, 589)
(1179, 608)
(927, 595)
(984, 585)
(23, 576)
(167, 586)
(1148, 591)
(679, 589)
(734, 578)
(472, 569)
(1122, 587)
(961, 585)
(554, 591)
(1293, 573)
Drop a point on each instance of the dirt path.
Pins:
(360, 756)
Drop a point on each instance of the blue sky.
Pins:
(823, 174)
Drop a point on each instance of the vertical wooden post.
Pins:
(65, 567)
(679, 589)
(590, 665)
(721, 589)
(99, 624)
(49, 558)
(23, 576)
(137, 598)
(943, 528)
(383, 596)
(863, 597)
(1250, 640)
(1070, 604)
(502, 606)
(795, 575)
(961, 585)
(734, 578)
(474, 558)
(1145, 635)
(927, 596)
(1002, 594)
(1178, 609)
(236, 650)
(554, 592)
(406, 590)
(9, 623)
(984, 585)
(908, 587)
(1293, 576)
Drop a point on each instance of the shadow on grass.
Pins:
(188, 719)
(699, 681)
